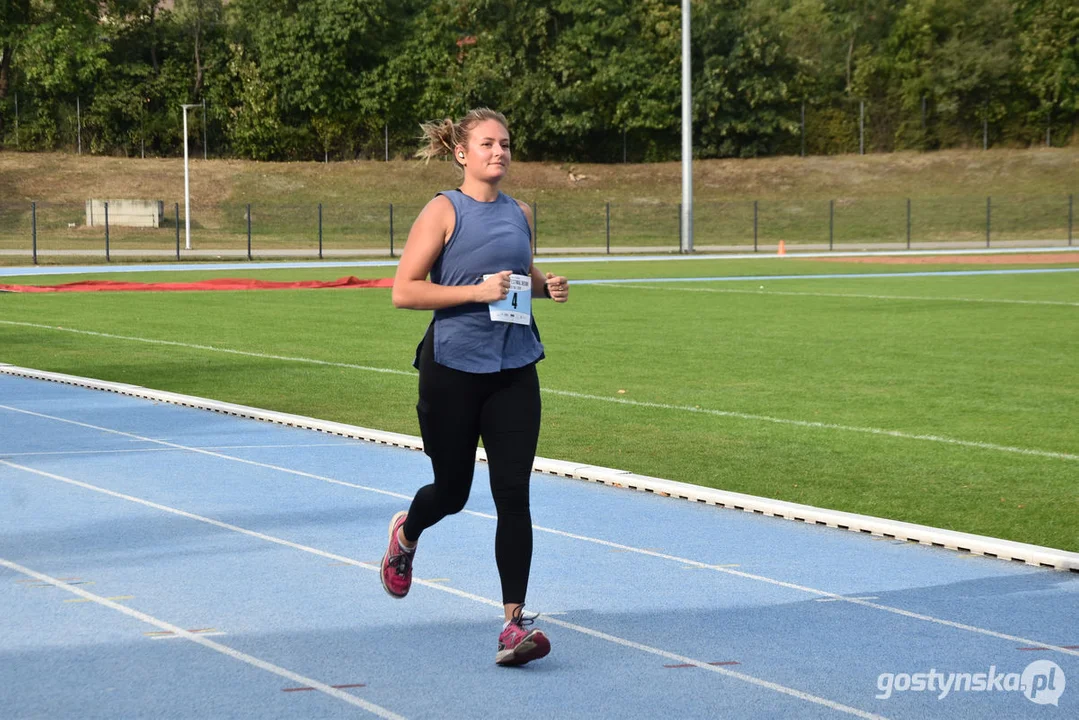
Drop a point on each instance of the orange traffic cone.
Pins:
(782, 249)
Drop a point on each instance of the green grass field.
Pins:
(946, 401)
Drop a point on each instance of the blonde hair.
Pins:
(442, 137)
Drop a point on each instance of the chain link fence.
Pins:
(60, 231)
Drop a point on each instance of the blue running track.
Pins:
(158, 561)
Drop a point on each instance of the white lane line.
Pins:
(685, 562)
(169, 636)
(51, 453)
(54, 453)
(682, 660)
(600, 398)
(800, 588)
(250, 533)
(201, 640)
(114, 598)
(433, 585)
(201, 451)
(919, 298)
(865, 597)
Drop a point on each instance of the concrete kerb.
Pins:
(881, 527)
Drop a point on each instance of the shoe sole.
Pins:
(533, 647)
(386, 556)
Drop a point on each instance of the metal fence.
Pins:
(37, 230)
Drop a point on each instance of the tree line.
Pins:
(585, 80)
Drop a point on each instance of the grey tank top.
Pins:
(487, 238)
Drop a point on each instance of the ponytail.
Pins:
(441, 138)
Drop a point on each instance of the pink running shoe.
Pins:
(396, 563)
(517, 646)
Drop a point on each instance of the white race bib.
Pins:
(516, 307)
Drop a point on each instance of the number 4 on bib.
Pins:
(516, 307)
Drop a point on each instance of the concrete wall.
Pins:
(129, 213)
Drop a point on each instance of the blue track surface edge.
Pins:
(882, 527)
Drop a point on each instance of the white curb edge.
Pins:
(881, 527)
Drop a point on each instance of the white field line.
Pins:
(585, 538)
(861, 296)
(821, 425)
(807, 697)
(598, 398)
(201, 640)
(210, 348)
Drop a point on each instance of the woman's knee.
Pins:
(453, 502)
(511, 499)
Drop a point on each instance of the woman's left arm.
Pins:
(544, 285)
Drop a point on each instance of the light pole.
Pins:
(187, 185)
(686, 221)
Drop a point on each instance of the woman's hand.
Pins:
(496, 287)
(558, 287)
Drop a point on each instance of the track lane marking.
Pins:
(686, 562)
(199, 639)
(782, 689)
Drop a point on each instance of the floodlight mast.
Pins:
(687, 136)
(187, 184)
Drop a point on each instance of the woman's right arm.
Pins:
(412, 289)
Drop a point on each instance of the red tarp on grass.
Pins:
(216, 284)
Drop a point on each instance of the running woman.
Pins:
(468, 258)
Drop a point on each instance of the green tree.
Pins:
(14, 24)
(121, 92)
(616, 68)
(254, 119)
(1049, 61)
(322, 78)
(58, 55)
(571, 76)
(954, 57)
(743, 98)
(810, 35)
(493, 53)
(321, 59)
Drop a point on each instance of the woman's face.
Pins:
(487, 155)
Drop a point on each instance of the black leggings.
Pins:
(456, 409)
